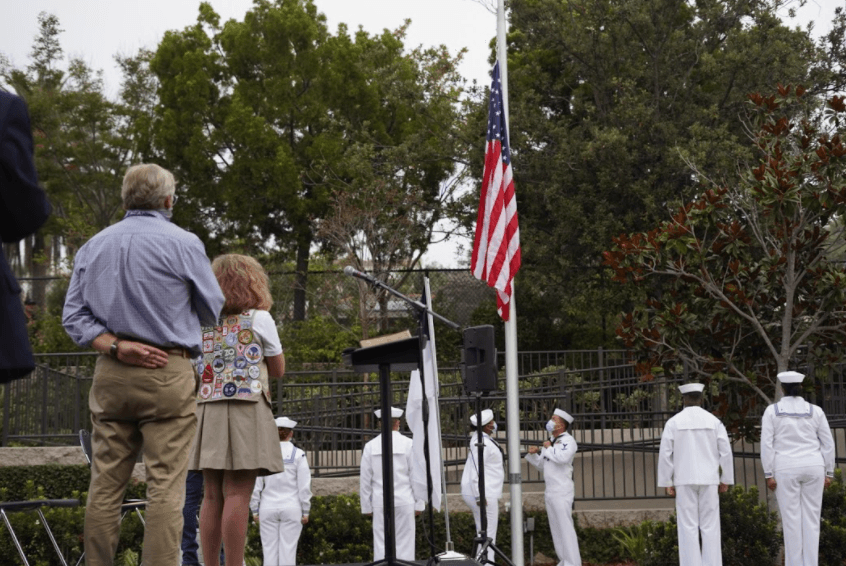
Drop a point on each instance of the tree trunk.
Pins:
(383, 312)
(40, 267)
(303, 254)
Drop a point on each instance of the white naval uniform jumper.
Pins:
(406, 502)
(281, 501)
(798, 451)
(494, 478)
(694, 446)
(556, 463)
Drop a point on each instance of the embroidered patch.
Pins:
(253, 353)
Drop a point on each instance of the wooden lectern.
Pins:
(401, 355)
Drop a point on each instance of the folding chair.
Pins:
(36, 505)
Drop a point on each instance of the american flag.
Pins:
(496, 248)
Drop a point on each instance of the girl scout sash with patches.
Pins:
(232, 367)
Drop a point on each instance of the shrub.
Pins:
(66, 523)
(662, 544)
(55, 481)
(337, 532)
(750, 534)
(633, 541)
(833, 524)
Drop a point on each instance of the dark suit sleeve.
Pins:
(23, 205)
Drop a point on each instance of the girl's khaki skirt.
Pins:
(236, 435)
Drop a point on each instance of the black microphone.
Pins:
(350, 270)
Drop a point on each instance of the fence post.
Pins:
(600, 352)
(44, 397)
(279, 408)
(601, 361)
(334, 402)
(7, 394)
(813, 380)
(661, 402)
(77, 395)
(562, 386)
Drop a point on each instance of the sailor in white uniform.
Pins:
(555, 460)
(281, 502)
(493, 471)
(407, 503)
(694, 464)
(797, 454)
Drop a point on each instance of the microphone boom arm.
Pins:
(376, 284)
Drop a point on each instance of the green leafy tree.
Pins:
(747, 283)
(397, 175)
(609, 101)
(270, 121)
(243, 117)
(84, 141)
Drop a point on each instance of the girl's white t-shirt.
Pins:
(266, 330)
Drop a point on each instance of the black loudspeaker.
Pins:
(479, 359)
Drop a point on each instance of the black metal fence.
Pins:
(618, 425)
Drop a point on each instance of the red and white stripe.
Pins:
(496, 248)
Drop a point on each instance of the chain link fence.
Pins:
(363, 311)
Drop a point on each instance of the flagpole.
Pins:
(512, 392)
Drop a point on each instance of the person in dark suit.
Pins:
(23, 209)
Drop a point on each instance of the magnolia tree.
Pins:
(749, 280)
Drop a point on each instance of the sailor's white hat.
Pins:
(285, 422)
(395, 413)
(564, 415)
(487, 416)
(791, 377)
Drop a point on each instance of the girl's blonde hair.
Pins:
(244, 283)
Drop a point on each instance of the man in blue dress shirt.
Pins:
(139, 294)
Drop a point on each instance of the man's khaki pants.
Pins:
(131, 408)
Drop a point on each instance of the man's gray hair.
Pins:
(146, 186)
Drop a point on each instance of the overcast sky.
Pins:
(96, 30)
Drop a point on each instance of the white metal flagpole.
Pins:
(512, 409)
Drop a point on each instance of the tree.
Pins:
(609, 101)
(84, 143)
(268, 120)
(750, 278)
(397, 175)
(242, 118)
